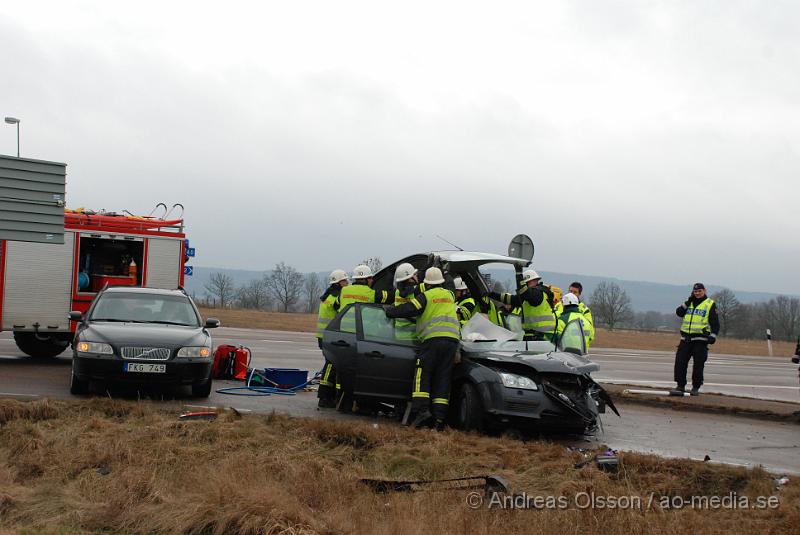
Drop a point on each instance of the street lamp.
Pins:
(14, 120)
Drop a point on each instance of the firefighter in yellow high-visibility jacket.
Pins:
(439, 333)
(328, 308)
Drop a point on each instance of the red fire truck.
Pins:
(41, 283)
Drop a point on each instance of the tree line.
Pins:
(283, 289)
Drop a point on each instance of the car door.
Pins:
(384, 362)
(339, 347)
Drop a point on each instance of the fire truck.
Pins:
(41, 283)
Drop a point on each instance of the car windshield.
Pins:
(145, 308)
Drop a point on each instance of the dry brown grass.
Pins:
(253, 319)
(275, 474)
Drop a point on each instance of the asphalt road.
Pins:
(727, 439)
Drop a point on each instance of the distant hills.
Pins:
(644, 295)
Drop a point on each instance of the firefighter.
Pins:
(328, 308)
(360, 291)
(487, 306)
(406, 285)
(467, 307)
(572, 311)
(699, 330)
(536, 300)
(439, 332)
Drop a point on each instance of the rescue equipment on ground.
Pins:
(262, 383)
(231, 362)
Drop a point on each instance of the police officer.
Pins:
(576, 288)
(328, 308)
(439, 333)
(571, 311)
(467, 307)
(536, 300)
(699, 329)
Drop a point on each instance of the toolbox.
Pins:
(286, 377)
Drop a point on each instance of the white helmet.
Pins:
(569, 299)
(404, 272)
(337, 275)
(529, 275)
(433, 275)
(362, 272)
(460, 284)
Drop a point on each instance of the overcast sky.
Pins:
(643, 140)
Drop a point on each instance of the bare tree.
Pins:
(728, 308)
(783, 317)
(253, 295)
(374, 263)
(220, 287)
(313, 286)
(285, 284)
(610, 304)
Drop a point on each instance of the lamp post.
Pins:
(14, 120)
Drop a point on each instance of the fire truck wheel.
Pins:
(30, 345)
(202, 390)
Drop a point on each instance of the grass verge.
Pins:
(108, 466)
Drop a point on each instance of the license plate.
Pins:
(143, 367)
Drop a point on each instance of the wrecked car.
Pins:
(501, 381)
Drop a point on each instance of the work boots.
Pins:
(695, 391)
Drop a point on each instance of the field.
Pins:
(605, 338)
(109, 466)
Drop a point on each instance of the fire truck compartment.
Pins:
(106, 259)
(38, 285)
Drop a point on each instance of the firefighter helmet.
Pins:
(362, 272)
(337, 275)
(404, 272)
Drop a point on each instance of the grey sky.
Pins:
(643, 140)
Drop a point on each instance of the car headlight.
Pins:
(201, 352)
(96, 348)
(517, 381)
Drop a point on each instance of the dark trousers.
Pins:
(327, 383)
(432, 376)
(686, 351)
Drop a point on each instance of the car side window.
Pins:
(347, 321)
(572, 339)
(378, 328)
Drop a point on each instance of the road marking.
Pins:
(15, 394)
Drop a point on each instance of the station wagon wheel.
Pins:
(77, 386)
(202, 390)
(469, 414)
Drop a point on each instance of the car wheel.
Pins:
(469, 413)
(202, 390)
(77, 386)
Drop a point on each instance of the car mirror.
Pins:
(212, 323)
(76, 316)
